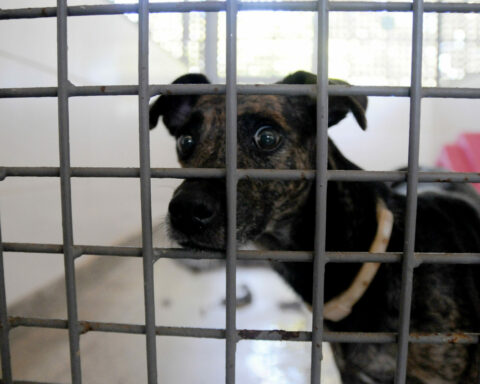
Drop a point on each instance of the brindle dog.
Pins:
(279, 132)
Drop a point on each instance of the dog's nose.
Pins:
(192, 211)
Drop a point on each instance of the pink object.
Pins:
(470, 144)
(463, 156)
(452, 157)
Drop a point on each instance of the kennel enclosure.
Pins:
(65, 172)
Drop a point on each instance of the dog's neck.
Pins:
(351, 226)
(351, 221)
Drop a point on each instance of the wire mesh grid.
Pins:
(321, 175)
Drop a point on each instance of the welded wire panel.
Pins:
(66, 190)
(321, 175)
(145, 191)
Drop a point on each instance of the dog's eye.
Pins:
(185, 145)
(267, 138)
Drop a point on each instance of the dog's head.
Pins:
(273, 132)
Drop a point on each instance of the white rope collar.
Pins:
(341, 306)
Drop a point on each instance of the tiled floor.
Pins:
(111, 289)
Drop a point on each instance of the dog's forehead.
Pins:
(265, 105)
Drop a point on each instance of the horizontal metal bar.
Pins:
(26, 382)
(425, 177)
(251, 255)
(28, 92)
(218, 6)
(416, 338)
(174, 173)
(248, 334)
(138, 329)
(243, 89)
(33, 248)
(357, 6)
(263, 174)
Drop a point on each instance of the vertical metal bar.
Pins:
(211, 51)
(145, 191)
(315, 42)
(4, 335)
(231, 181)
(66, 190)
(408, 262)
(185, 37)
(321, 191)
(438, 76)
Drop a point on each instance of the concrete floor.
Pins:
(110, 289)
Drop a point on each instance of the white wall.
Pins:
(384, 145)
(103, 132)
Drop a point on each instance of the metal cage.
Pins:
(321, 175)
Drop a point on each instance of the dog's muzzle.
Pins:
(196, 209)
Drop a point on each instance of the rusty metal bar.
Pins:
(250, 334)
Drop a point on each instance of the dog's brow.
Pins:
(263, 117)
(194, 122)
(264, 106)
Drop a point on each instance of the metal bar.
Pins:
(360, 337)
(438, 73)
(66, 191)
(145, 190)
(250, 334)
(185, 37)
(263, 174)
(321, 183)
(244, 89)
(4, 323)
(27, 382)
(408, 263)
(358, 6)
(257, 255)
(211, 49)
(217, 6)
(33, 248)
(426, 177)
(231, 186)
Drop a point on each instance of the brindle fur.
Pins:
(280, 215)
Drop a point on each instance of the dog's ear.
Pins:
(176, 109)
(338, 106)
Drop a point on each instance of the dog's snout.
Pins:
(192, 211)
